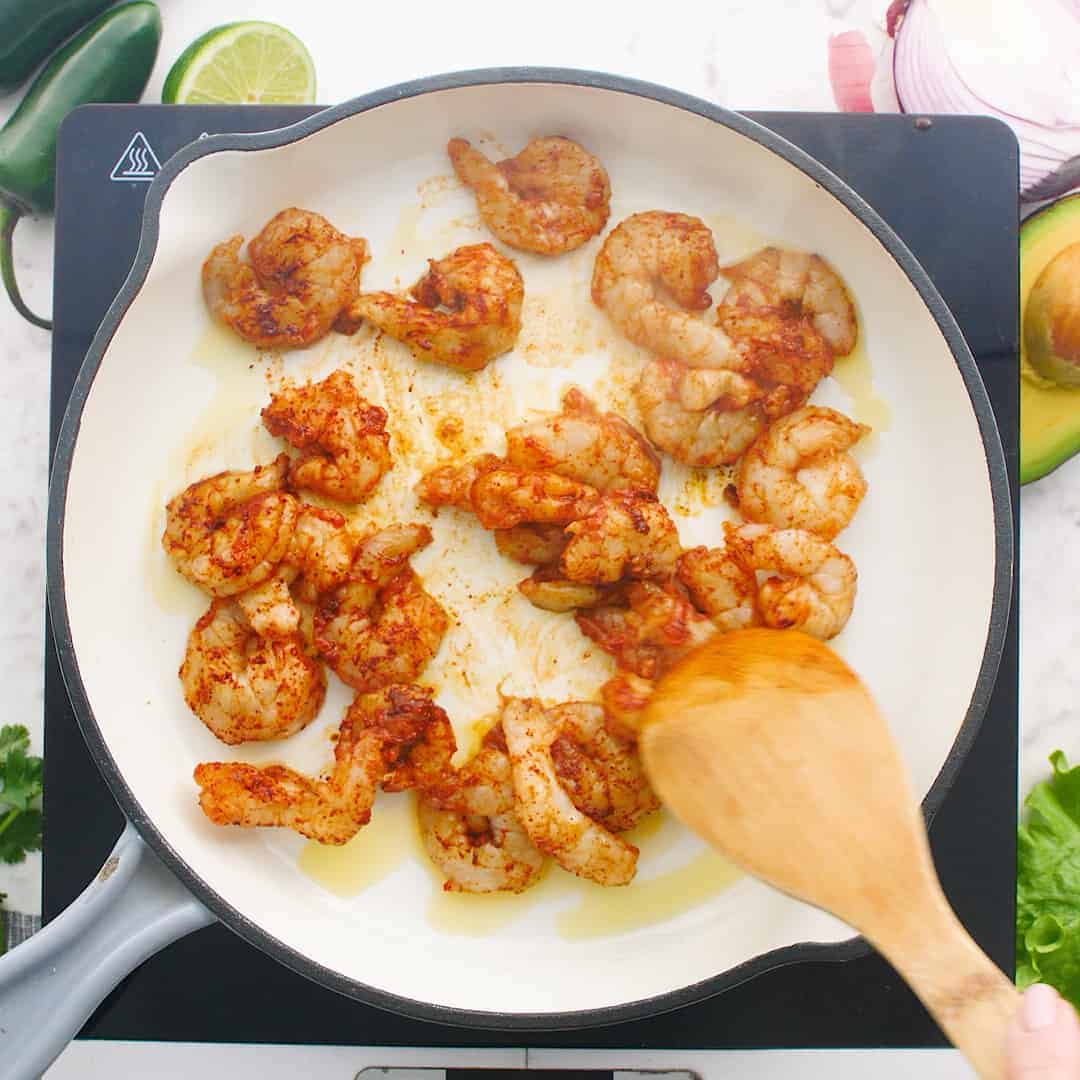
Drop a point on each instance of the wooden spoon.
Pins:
(766, 744)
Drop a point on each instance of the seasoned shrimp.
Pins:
(344, 447)
(554, 824)
(464, 312)
(228, 533)
(451, 485)
(785, 354)
(599, 768)
(600, 449)
(302, 273)
(648, 629)
(507, 497)
(270, 608)
(720, 586)
(546, 588)
(532, 544)
(471, 830)
(321, 553)
(708, 436)
(625, 696)
(656, 253)
(800, 475)
(381, 626)
(813, 587)
(800, 285)
(551, 198)
(626, 534)
(331, 811)
(245, 687)
(418, 739)
(503, 497)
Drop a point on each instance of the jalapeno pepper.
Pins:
(31, 29)
(110, 60)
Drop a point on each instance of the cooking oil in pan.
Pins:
(602, 912)
(228, 428)
(371, 855)
(588, 910)
(231, 415)
(734, 239)
(853, 372)
(170, 591)
(585, 910)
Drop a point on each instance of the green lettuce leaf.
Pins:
(1048, 883)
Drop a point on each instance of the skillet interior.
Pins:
(924, 541)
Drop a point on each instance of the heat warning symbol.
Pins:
(137, 162)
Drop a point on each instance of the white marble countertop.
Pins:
(742, 53)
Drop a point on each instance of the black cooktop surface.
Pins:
(950, 192)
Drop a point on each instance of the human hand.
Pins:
(1043, 1041)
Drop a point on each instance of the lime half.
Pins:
(242, 63)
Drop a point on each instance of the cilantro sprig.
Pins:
(20, 788)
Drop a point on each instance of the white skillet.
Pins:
(932, 544)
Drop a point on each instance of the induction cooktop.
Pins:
(948, 186)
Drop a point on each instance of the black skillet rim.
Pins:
(61, 466)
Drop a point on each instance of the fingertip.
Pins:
(1044, 1037)
(1039, 1007)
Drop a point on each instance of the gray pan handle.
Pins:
(52, 983)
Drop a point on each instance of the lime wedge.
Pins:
(242, 63)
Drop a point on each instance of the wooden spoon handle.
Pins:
(966, 993)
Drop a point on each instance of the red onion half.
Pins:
(1036, 91)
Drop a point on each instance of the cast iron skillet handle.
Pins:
(50, 984)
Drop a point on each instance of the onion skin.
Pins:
(927, 82)
(1061, 181)
(851, 69)
(895, 15)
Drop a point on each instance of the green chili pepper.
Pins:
(31, 29)
(108, 61)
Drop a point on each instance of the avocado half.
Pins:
(1049, 408)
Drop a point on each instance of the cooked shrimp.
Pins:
(302, 273)
(800, 475)
(656, 253)
(331, 811)
(626, 534)
(381, 626)
(532, 544)
(600, 449)
(786, 356)
(813, 589)
(228, 533)
(801, 285)
(551, 198)
(707, 437)
(344, 447)
(548, 589)
(451, 485)
(471, 830)
(648, 630)
(322, 551)
(417, 737)
(464, 312)
(554, 824)
(270, 608)
(720, 586)
(503, 497)
(625, 696)
(599, 768)
(244, 687)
